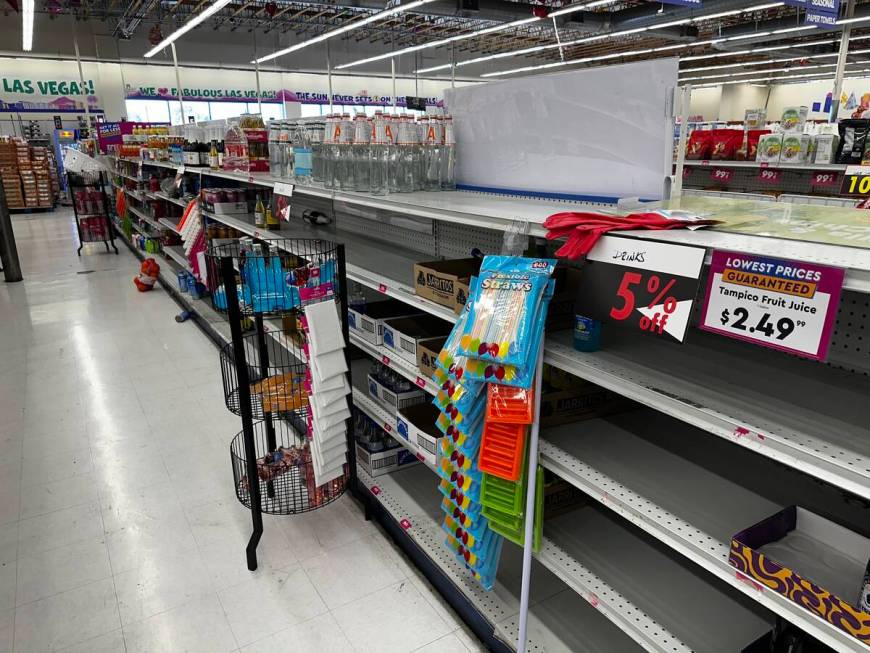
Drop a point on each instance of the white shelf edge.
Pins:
(713, 556)
(179, 258)
(400, 365)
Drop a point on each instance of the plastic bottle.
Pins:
(380, 155)
(361, 159)
(276, 160)
(302, 163)
(448, 158)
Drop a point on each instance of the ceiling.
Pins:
(804, 51)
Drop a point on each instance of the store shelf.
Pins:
(399, 365)
(176, 253)
(167, 223)
(560, 620)
(811, 417)
(151, 222)
(824, 167)
(691, 509)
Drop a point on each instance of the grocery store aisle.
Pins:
(119, 529)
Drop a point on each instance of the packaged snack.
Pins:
(769, 148)
(793, 120)
(826, 148)
(725, 143)
(501, 325)
(749, 149)
(755, 119)
(699, 144)
(853, 137)
(794, 148)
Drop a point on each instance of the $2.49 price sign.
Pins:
(641, 283)
(776, 303)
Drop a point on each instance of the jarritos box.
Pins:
(816, 563)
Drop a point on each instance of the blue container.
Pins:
(182, 280)
(587, 334)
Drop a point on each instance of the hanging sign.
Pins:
(778, 303)
(642, 283)
(821, 19)
(856, 181)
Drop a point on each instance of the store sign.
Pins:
(856, 181)
(777, 303)
(821, 13)
(644, 283)
(55, 96)
(821, 19)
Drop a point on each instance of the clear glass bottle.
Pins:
(361, 158)
(448, 158)
(405, 159)
(317, 153)
(276, 160)
(329, 151)
(344, 158)
(380, 155)
(392, 127)
(302, 154)
(286, 141)
(433, 147)
(259, 213)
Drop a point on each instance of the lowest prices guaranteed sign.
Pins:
(777, 303)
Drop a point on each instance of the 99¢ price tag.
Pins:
(768, 175)
(722, 175)
(772, 302)
(644, 284)
(824, 179)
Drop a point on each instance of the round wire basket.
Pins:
(274, 276)
(276, 377)
(285, 470)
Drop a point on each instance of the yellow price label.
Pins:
(856, 181)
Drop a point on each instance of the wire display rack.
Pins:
(285, 471)
(273, 277)
(91, 209)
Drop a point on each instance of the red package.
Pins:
(724, 143)
(752, 142)
(699, 145)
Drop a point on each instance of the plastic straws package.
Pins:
(448, 360)
(455, 396)
(500, 326)
(466, 437)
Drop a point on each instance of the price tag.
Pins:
(705, 162)
(375, 490)
(856, 181)
(769, 175)
(420, 382)
(722, 175)
(388, 428)
(772, 302)
(405, 524)
(250, 179)
(824, 179)
(385, 360)
(421, 458)
(382, 287)
(646, 284)
(748, 581)
(284, 189)
(593, 599)
(686, 171)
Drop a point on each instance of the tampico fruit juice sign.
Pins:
(777, 303)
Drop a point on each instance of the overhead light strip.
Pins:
(433, 44)
(27, 11)
(189, 25)
(769, 61)
(345, 28)
(609, 35)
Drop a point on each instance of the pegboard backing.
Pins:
(569, 203)
(382, 225)
(849, 345)
(455, 240)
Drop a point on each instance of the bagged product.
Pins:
(853, 136)
(725, 143)
(755, 119)
(749, 149)
(826, 148)
(793, 120)
(769, 148)
(794, 148)
(699, 144)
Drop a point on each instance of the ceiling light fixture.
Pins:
(27, 10)
(433, 44)
(189, 25)
(344, 29)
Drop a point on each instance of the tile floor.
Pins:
(119, 529)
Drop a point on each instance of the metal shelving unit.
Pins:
(176, 253)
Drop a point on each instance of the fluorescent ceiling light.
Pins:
(767, 61)
(189, 25)
(345, 28)
(580, 7)
(757, 72)
(849, 21)
(433, 44)
(747, 36)
(802, 28)
(27, 9)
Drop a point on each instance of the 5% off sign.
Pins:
(772, 302)
(646, 285)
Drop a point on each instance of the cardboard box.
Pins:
(769, 148)
(826, 148)
(812, 561)
(369, 324)
(384, 462)
(391, 400)
(794, 148)
(567, 399)
(793, 120)
(417, 425)
(401, 334)
(446, 282)
(427, 354)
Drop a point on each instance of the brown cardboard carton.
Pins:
(446, 282)
(427, 354)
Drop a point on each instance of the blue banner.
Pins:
(827, 6)
(821, 19)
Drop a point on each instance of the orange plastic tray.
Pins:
(509, 405)
(502, 450)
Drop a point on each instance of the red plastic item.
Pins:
(508, 405)
(502, 450)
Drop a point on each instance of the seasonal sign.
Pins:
(651, 285)
(772, 302)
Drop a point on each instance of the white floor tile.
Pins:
(56, 467)
(60, 528)
(109, 643)
(405, 620)
(195, 627)
(348, 572)
(66, 619)
(7, 630)
(447, 644)
(320, 635)
(48, 497)
(47, 573)
(269, 603)
(148, 539)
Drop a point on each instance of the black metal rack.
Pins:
(265, 372)
(91, 208)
